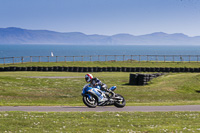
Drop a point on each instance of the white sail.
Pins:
(52, 54)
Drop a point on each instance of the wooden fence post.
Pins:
(39, 58)
(13, 60)
(164, 58)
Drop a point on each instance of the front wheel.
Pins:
(120, 101)
(91, 101)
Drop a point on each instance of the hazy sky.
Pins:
(106, 17)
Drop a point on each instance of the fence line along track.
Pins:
(156, 58)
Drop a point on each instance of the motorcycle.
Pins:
(93, 97)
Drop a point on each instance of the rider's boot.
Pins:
(112, 94)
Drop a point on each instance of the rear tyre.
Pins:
(120, 103)
(90, 102)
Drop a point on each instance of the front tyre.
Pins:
(120, 101)
(91, 102)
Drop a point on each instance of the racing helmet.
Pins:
(88, 77)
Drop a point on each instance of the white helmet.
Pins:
(88, 77)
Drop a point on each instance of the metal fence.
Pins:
(136, 58)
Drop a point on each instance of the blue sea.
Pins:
(87, 50)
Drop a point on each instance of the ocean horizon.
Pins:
(87, 50)
(81, 50)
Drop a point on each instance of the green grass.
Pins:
(109, 64)
(20, 88)
(98, 122)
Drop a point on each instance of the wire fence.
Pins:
(135, 58)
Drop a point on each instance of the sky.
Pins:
(103, 17)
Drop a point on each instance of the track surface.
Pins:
(100, 109)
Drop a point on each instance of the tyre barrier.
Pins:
(103, 69)
(142, 79)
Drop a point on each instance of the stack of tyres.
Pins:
(114, 69)
(33, 68)
(182, 69)
(138, 69)
(39, 69)
(143, 69)
(45, 68)
(1, 69)
(123, 69)
(70, 69)
(167, 69)
(75, 69)
(133, 79)
(162, 69)
(95, 69)
(99, 69)
(90, 69)
(65, 69)
(191, 69)
(104, 69)
(119, 69)
(29, 68)
(142, 79)
(12, 68)
(55, 68)
(133, 69)
(50, 68)
(157, 69)
(186, 69)
(196, 70)
(172, 69)
(23, 68)
(60, 69)
(6, 68)
(147, 69)
(128, 69)
(152, 69)
(80, 69)
(85, 69)
(109, 69)
(177, 69)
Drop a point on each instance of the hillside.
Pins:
(13, 35)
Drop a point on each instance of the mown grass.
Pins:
(24, 88)
(109, 64)
(100, 122)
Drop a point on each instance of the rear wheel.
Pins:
(120, 103)
(91, 101)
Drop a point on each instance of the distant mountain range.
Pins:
(13, 35)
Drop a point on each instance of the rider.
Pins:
(96, 82)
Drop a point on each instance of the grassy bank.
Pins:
(109, 64)
(24, 88)
(97, 122)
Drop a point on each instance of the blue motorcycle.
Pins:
(93, 97)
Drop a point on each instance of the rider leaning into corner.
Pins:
(96, 82)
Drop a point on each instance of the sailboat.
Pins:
(52, 54)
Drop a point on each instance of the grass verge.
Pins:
(24, 88)
(109, 64)
(100, 122)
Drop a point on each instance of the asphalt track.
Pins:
(101, 109)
